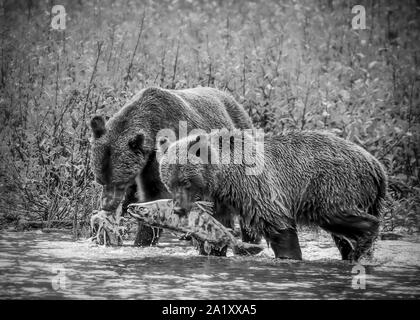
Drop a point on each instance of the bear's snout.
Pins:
(180, 211)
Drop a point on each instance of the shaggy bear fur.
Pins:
(123, 153)
(309, 177)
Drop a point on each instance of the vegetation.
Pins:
(292, 64)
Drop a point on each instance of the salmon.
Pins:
(199, 223)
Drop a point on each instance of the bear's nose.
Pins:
(180, 211)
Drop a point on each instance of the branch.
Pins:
(135, 49)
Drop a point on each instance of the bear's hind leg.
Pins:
(364, 247)
(343, 246)
(285, 244)
(359, 229)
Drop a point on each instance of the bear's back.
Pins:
(323, 167)
(203, 99)
(202, 108)
(319, 151)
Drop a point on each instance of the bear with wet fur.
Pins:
(308, 178)
(123, 153)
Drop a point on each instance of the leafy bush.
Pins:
(293, 65)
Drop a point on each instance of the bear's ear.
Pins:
(136, 143)
(97, 123)
(162, 144)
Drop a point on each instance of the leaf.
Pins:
(345, 95)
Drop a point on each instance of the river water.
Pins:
(37, 265)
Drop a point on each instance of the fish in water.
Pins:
(199, 223)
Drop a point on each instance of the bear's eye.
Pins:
(136, 143)
(187, 184)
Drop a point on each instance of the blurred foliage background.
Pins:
(292, 64)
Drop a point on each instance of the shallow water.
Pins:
(36, 265)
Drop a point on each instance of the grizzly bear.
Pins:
(123, 155)
(305, 177)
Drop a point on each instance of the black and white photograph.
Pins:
(220, 151)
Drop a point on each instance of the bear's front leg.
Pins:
(247, 234)
(285, 244)
(226, 215)
(145, 236)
